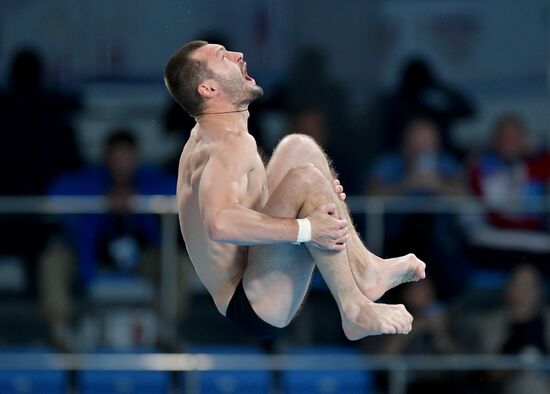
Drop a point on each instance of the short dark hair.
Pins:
(183, 74)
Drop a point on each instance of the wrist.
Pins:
(304, 231)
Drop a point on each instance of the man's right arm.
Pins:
(226, 220)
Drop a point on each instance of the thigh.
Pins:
(292, 151)
(277, 276)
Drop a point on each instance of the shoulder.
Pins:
(240, 142)
(239, 147)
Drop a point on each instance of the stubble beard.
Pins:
(250, 94)
(242, 94)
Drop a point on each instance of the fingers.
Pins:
(339, 189)
(342, 224)
(340, 237)
(342, 240)
(332, 246)
(328, 208)
(343, 232)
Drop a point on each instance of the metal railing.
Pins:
(398, 367)
(375, 209)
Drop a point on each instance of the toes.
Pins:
(422, 273)
(405, 313)
(391, 329)
(419, 267)
(402, 320)
(406, 327)
(402, 326)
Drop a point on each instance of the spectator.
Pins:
(309, 88)
(430, 335)
(310, 68)
(312, 122)
(38, 143)
(91, 244)
(422, 168)
(522, 326)
(420, 91)
(37, 121)
(508, 177)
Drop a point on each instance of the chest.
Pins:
(254, 191)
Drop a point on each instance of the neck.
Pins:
(227, 119)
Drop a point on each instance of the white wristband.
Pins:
(304, 231)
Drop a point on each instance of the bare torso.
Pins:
(219, 265)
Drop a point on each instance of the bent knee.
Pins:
(297, 138)
(299, 143)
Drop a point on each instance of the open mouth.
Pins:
(245, 74)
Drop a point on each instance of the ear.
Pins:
(209, 88)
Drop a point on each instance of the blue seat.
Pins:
(326, 381)
(123, 382)
(31, 382)
(226, 382)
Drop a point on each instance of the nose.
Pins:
(238, 56)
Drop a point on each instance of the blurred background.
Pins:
(436, 115)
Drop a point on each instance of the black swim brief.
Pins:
(240, 312)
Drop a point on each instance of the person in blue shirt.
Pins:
(422, 168)
(89, 245)
(419, 167)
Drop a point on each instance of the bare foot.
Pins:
(368, 318)
(376, 276)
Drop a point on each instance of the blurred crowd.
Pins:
(486, 266)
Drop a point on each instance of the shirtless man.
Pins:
(239, 218)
